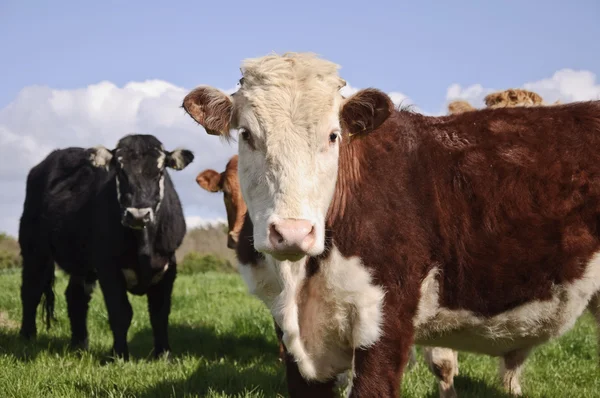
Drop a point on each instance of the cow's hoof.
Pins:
(111, 357)
(79, 345)
(163, 356)
(27, 335)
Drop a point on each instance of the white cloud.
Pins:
(199, 222)
(396, 97)
(566, 85)
(474, 94)
(348, 90)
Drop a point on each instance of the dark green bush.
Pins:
(194, 262)
(9, 252)
(9, 259)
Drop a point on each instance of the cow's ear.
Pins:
(179, 159)
(100, 157)
(211, 108)
(210, 180)
(365, 111)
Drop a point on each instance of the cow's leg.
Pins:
(159, 307)
(36, 277)
(279, 334)
(378, 369)
(119, 310)
(510, 370)
(443, 363)
(299, 387)
(594, 307)
(79, 294)
(412, 361)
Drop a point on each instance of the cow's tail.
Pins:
(48, 299)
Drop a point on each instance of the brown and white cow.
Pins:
(443, 362)
(370, 228)
(228, 183)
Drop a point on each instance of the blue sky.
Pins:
(415, 47)
(67, 66)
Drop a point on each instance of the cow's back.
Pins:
(61, 205)
(489, 218)
(518, 203)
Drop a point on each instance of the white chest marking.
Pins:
(131, 279)
(324, 317)
(525, 326)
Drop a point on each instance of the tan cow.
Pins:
(370, 228)
(510, 98)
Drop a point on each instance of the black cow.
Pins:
(112, 216)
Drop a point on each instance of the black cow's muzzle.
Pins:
(137, 218)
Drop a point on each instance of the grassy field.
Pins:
(225, 346)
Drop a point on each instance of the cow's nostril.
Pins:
(274, 235)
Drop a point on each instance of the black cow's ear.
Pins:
(179, 159)
(100, 157)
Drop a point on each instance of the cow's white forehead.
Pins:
(289, 90)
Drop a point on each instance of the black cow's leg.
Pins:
(300, 387)
(79, 294)
(36, 275)
(119, 310)
(159, 307)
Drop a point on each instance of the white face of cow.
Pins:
(287, 112)
(288, 165)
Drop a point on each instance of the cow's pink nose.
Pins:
(292, 236)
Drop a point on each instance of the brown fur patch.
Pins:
(209, 180)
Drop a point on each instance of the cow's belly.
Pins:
(522, 327)
(487, 336)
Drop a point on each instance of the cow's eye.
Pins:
(247, 137)
(245, 134)
(333, 137)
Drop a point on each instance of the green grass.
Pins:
(224, 345)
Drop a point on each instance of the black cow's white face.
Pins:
(139, 162)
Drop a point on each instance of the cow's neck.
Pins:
(146, 242)
(348, 180)
(144, 238)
